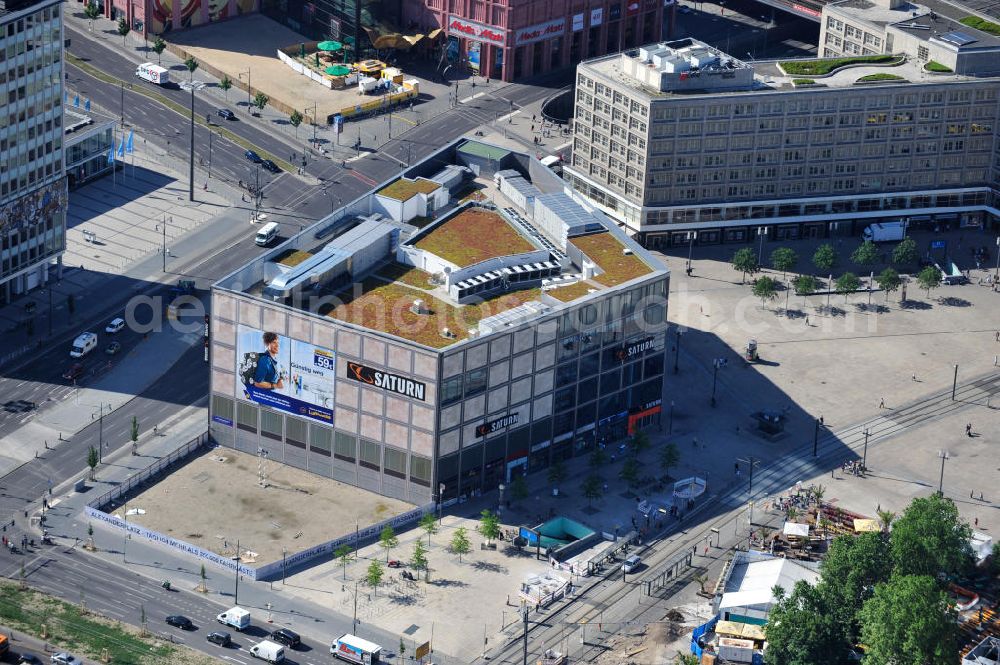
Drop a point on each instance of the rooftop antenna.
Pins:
(261, 468)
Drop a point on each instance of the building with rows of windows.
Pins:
(679, 137)
(460, 325)
(32, 179)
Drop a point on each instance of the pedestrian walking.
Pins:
(981, 497)
(972, 494)
(881, 403)
(976, 522)
(914, 377)
(968, 430)
(998, 336)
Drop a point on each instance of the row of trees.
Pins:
(885, 590)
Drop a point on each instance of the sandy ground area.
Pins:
(214, 500)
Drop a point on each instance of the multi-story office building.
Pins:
(678, 136)
(32, 178)
(89, 137)
(513, 328)
(872, 27)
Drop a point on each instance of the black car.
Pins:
(226, 114)
(29, 659)
(270, 166)
(219, 637)
(287, 637)
(180, 621)
(252, 156)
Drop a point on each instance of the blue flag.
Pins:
(130, 145)
(86, 105)
(76, 101)
(111, 155)
(121, 148)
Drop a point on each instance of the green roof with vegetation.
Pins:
(803, 81)
(821, 66)
(981, 24)
(571, 292)
(933, 66)
(404, 189)
(400, 272)
(292, 257)
(606, 251)
(473, 235)
(881, 76)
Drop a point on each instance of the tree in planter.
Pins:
(344, 554)
(123, 29)
(90, 537)
(260, 100)
(296, 119)
(597, 458)
(142, 618)
(630, 472)
(519, 489)
(489, 525)
(91, 11)
(700, 580)
(593, 488)
(226, 85)
(135, 435)
(929, 278)
(640, 443)
(784, 259)
(202, 587)
(460, 543)
(387, 540)
(866, 254)
(888, 280)
(766, 289)
(805, 285)
(847, 284)
(92, 460)
(418, 560)
(429, 524)
(159, 46)
(557, 473)
(191, 65)
(374, 575)
(905, 253)
(669, 457)
(824, 258)
(745, 262)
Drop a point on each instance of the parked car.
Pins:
(219, 637)
(226, 114)
(115, 326)
(75, 371)
(287, 637)
(113, 348)
(631, 563)
(63, 658)
(180, 621)
(252, 156)
(29, 659)
(270, 166)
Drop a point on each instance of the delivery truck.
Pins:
(268, 651)
(153, 73)
(236, 617)
(356, 650)
(884, 232)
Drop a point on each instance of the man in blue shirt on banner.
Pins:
(267, 376)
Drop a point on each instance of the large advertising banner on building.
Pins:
(286, 374)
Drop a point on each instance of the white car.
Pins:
(115, 326)
(631, 563)
(63, 658)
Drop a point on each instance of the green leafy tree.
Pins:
(640, 443)
(908, 622)
(71, 304)
(905, 253)
(418, 560)
(686, 659)
(670, 456)
(804, 285)
(824, 258)
(929, 538)
(387, 540)
(847, 284)
(203, 587)
(593, 488)
(191, 65)
(91, 11)
(344, 554)
(630, 472)
(885, 518)
(745, 262)
(850, 571)
(929, 278)
(766, 289)
(260, 100)
(557, 472)
(296, 119)
(784, 259)
(226, 84)
(597, 458)
(134, 435)
(429, 524)
(92, 460)
(801, 631)
(519, 489)
(123, 29)
(489, 525)
(460, 543)
(889, 281)
(866, 254)
(374, 574)
(159, 46)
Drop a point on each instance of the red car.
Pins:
(74, 372)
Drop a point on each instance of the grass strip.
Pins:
(881, 76)
(821, 66)
(934, 66)
(981, 24)
(181, 110)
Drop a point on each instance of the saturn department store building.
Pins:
(400, 360)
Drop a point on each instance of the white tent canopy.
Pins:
(689, 488)
(796, 529)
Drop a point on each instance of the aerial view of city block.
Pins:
(405, 332)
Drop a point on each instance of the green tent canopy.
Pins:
(338, 70)
(329, 46)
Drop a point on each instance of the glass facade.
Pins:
(346, 21)
(87, 154)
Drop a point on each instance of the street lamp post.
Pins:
(247, 72)
(996, 275)
(100, 434)
(943, 454)
(236, 594)
(670, 427)
(717, 363)
(500, 505)
(816, 437)
(864, 456)
(954, 384)
(677, 350)
(524, 617)
(440, 501)
(284, 556)
(192, 86)
(761, 233)
(691, 237)
(751, 462)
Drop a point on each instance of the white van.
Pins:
(266, 234)
(83, 344)
(268, 651)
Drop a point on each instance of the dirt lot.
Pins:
(265, 520)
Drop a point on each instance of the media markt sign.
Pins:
(634, 349)
(496, 425)
(537, 33)
(392, 383)
(477, 32)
